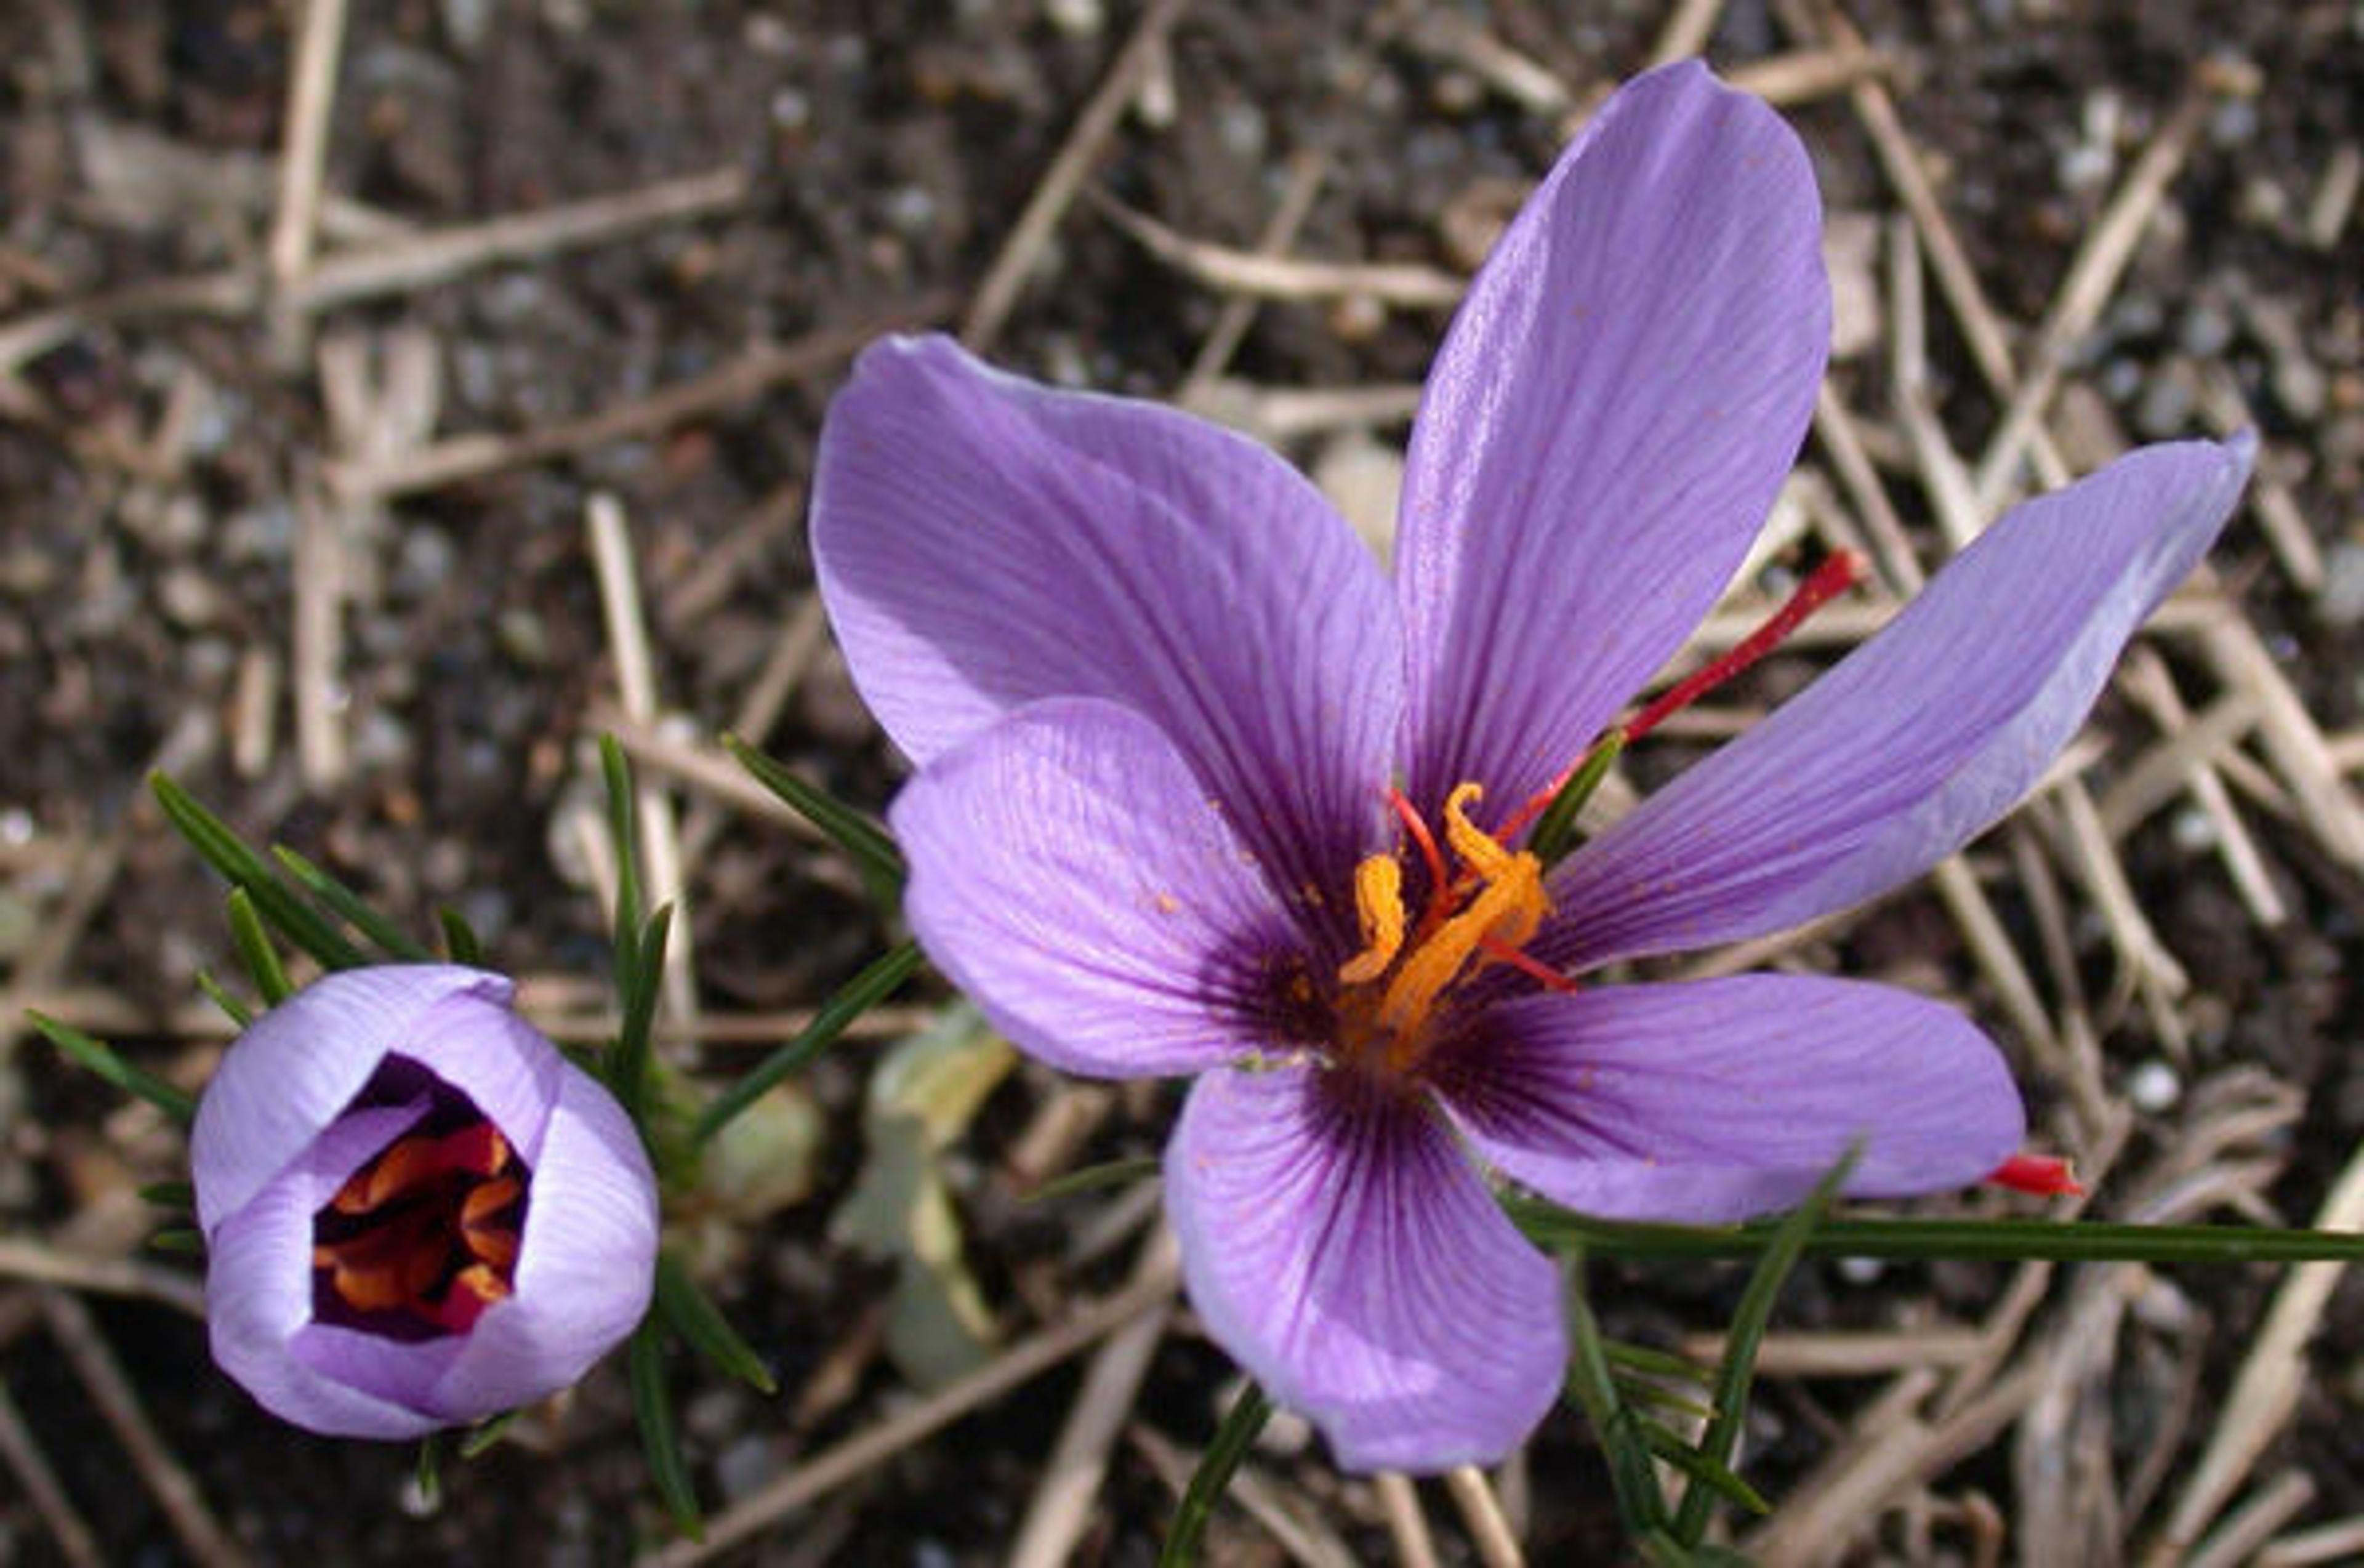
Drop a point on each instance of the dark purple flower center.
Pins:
(423, 1237)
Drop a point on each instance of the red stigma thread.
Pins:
(1840, 570)
(2038, 1174)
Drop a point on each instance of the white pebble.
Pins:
(2154, 1086)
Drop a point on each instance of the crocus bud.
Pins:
(416, 1212)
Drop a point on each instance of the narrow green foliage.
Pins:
(1920, 1240)
(485, 1434)
(254, 946)
(884, 976)
(1626, 1357)
(1555, 833)
(180, 1239)
(96, 1056)
(460, 943)
(178, 1197)
(640, 981)
(1642, 1393)
(1641, 1506)
(236, 1011)
(873, 852)
(1222, 1460)
(1094, 1178)
(668, 1468)
(349, 908)
(1734, 1378)
(281, 906)
(696, 1320)
(624, 832)
(1703, 1471)
(429, 1473)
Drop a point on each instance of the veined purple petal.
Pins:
(1339, 1247)
(258, 1289)
(586, 1262)
(1717, 1100)
(505, 1065)
(1606, 428)
(303, 1062)
(983, 542)
(1071, 875)
(1915, 741)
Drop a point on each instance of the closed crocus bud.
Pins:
(417, 1213)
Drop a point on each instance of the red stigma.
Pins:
(2038, 1174)
(1840, 570)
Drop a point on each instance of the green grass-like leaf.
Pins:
(885, 976)
(1641, 1506)
(351, 907)
(485, 1434)
(1703, 1471)
(624, 832)
(1222, 1460)
(642, 979)
(96, 1056)
(178, 1197)
(235, 1010)
(1555, 833)
(1918, 1240)
(697, 1320)
(1737, 1374)
(460, 943)
(668, 1467)
(254, 947)
(873, 851)
(1094, 1178)
(280, 905)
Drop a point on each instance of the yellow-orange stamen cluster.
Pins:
(428, 1228)
(1485, 915)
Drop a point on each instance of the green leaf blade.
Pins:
(98, 1057)
(704, 1328)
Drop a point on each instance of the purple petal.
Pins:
(585, 1264)
(508, 1067)
(302, 1062)
(258, 1290)
(1917, 741)
(1343, 1252)
(1719, 1099)
(1606, 428)
(1071, 876)
(983, 542)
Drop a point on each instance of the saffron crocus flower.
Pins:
(1197, 794)
(416, 1212)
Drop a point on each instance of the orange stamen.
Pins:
(2040, 1175)
(1531, 967)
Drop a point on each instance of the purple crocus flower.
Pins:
(1159, 698)
(416, 1212)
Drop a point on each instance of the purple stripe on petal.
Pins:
(1915, 741)
(1606, 428)
(1071, 875)
(1715, 1100)
(302, 1062)
(503, 1064)
(586, 1262)
(983, 542)
(1343, 1252)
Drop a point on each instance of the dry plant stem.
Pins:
(1261, 276)
(316, 639)
(1062, 1507)
(818, 1475)
(44, 1265)
(636, 684)
(2145, 677)
(1869, 1353)
(2270, 501)
(311, 92)
(2252, 1525)
(800, 640)
(1686, 30)
(2342, 1541)
(1292, 1521)
(2266, 1394)
(702, 767)
(2092, 278)
(1307, 170)
(87, 1350)
(1481, 1513)
(1400, 1501)
(989, 309)
(39, 1484)
(742, 380)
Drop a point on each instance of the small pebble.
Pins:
(1861, 1270)
(2341, 603)
(2154, 1086)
